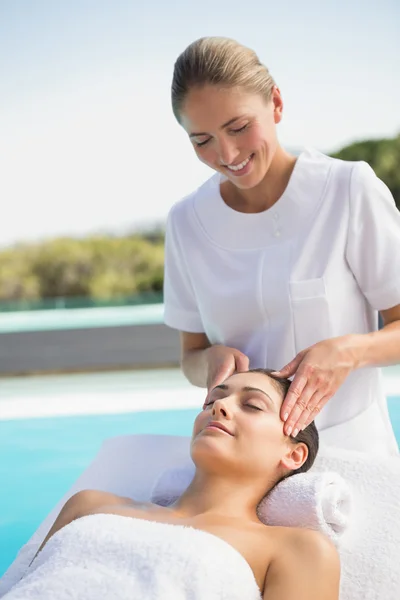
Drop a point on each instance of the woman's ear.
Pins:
(278, 104)
(295, 456)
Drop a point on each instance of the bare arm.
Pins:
(307, 568)
(193, 359)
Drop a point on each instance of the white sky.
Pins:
(87, 138)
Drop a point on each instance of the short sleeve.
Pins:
(373, 244)
(180, 306)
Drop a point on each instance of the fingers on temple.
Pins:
(317, 403)
(295, 392)
(300, 411)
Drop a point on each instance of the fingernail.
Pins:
(295, 432)
(285, 418)
(289, 431)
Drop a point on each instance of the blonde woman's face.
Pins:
(232, 131)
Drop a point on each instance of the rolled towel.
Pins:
(319, 501)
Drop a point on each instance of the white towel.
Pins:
(109, 557)
(320, 501)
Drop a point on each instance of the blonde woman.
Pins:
(278, 259)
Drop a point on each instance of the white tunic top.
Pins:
(319, 264)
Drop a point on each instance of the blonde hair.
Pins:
(218, 61)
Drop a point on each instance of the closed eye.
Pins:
(198, 144)
(240, 129)
(207, 404)
(252, 406)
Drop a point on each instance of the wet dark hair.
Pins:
(309, 436)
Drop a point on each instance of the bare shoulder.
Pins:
(306, 545)
(86, 501)
(305, 564)
(312, 541)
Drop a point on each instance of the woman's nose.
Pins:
(220, 407)
(227, 152)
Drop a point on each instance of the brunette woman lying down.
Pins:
(209, 544)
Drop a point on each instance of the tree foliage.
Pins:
(96, 267)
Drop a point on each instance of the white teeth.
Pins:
(240, 166)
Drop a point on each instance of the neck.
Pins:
(215, 494)
(268, 191)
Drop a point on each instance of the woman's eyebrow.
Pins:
(222, 127)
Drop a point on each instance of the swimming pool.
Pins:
(41, 456)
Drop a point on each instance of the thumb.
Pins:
(223, 371)
(289, 369)
(242, 363)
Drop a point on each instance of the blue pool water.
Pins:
(41, 458)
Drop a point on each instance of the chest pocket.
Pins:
(310, 311)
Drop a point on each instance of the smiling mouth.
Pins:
(218, 428)
(241, 166)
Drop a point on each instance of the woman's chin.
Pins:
(248, 182)
(208, 449)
